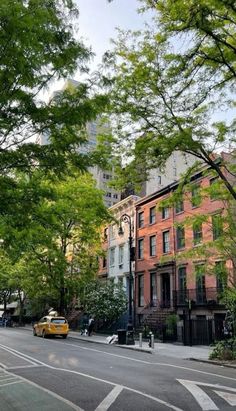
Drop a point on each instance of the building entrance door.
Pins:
(165, 290)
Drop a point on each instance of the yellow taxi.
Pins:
(50, 325)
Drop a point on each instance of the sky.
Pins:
(98, 20)
(97, 24)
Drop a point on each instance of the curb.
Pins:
(128, 347)
(212, 362)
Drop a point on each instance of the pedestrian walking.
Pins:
(90, 325)
(84, 326)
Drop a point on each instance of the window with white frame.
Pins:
(180, 237)
(165, 212)
(197, 233)
(112, 256)
(141, 219)
(112, 231)
(152, 215)
(140, 248)
(152, 240)
(121, 254)
(166, 241)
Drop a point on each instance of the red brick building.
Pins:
(166, 281)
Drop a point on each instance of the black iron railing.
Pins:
(197, 296)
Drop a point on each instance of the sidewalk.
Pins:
(165, 349)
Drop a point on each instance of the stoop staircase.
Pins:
(158, 317)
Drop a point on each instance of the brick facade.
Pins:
(165, 279)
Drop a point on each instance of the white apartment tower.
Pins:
(102, 177)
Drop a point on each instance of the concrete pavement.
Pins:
(165, 349)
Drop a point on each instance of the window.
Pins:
(140, 248)
(182, 278)
(221, 275)
(108, 195)
(141, 290)
(180, 237)
(153, 289)
(121, 254)
(200, 284)
(152, 215)
(115, 195)
(196, 196)
(152, 245)
(213, 191)
(104, 262)
(182, 294)
(112, 231)
(165, 212)
(166, 241)
(217, 226)
(141, 219)
(159, 179)
(197, 233)
(179, 207)
(112, 256)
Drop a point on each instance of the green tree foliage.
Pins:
(57, 243)
(5, 269)
(38, 46)
(172, 85)
(106, 301)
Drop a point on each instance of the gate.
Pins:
(198, 332)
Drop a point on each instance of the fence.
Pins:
(201, 331)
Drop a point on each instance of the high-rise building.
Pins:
(93, 129)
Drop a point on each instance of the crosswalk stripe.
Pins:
(200, 396)
(227, 396)
(110, 398)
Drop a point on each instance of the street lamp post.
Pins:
(127, 219)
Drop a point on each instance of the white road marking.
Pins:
(24, 366)
(109, 399)
(21, 355)
(130, 359)
(11, 383)
(200, 396)
(228, 397)
(168, 405)
(51, 393)
(203, 399)
(7, 379)
(151, 363)
(14, 352)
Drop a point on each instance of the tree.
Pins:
(5, 289)
(58, 242)
(106, 301)
(170, 84)
(38, 47)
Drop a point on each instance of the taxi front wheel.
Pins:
(64, 336)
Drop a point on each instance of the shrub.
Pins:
(224, 350)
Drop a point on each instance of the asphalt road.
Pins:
(39, 374)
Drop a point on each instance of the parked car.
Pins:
(50, 325)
